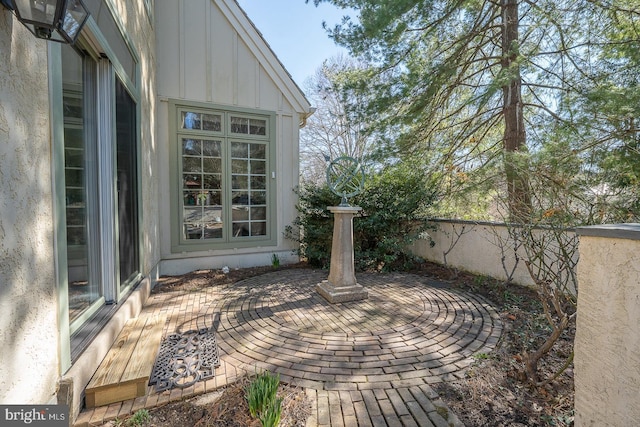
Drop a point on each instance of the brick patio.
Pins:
(366, 363)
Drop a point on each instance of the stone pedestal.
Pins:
(341, 285)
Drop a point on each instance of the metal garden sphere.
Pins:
(345, 177)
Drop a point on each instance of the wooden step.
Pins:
(124, 373)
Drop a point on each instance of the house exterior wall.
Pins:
(208, 52)
(607, 343)
(30, 335)
(28, 331)
(237, 70)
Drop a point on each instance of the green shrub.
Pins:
(394, 201)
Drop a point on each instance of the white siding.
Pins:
(203, 56)
(208, 51)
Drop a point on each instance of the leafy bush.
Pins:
(393, 201)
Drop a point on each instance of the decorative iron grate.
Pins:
(184, 359)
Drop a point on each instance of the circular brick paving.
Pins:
(409, 332)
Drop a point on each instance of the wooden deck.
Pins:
(124, 373)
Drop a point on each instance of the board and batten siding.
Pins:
(208, 51)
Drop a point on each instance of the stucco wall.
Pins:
(474, 247)
(28, 310)
(480, 248)
(607, 344)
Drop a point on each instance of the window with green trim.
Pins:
(224, 192)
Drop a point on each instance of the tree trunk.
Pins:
(519, 198)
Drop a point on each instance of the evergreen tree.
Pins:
(480, 84)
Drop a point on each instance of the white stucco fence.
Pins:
(483, 248)
(607, 343)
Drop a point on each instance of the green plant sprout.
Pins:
(261, 397)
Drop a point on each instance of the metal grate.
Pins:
(184, 359)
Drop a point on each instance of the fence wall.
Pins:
(607, 344)
(478, 247)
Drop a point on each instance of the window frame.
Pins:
(228, 241)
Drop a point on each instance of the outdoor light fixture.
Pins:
(56, 20)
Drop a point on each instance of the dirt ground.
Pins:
(229, 408)
(493, 393)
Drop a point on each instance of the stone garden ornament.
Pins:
(345, 177)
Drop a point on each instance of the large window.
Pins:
(101, 188)
(223, 167)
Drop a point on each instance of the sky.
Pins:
(294, 31)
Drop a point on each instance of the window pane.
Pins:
(76, 237)
(190, 198)
(213, 231)
(240, 198)
(73, 136)
(191, 120)
(258, 228)
(191, 164)
(72, 107)
(239, 166)
(212, 182)
(239, 213)
(211, 148)
(241, 229)
(239, 125)
(191, 147)
(258, 198)
(258, 151)
(80, 191)
(212, 215)
(192, 231)
(192, 215)
(258, 214)
(216, 198)
(258, 183)
(192, 181)
(74, 177)
(257, 127)
(127, 178)
(240, 150)
(212, 122)
(74, 157)
(212, 165)
(239, 182)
